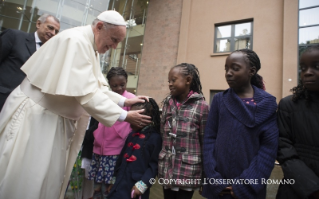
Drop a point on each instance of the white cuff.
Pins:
(122, 102)
(141, 186)
(122, 116)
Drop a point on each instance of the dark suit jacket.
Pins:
(16, 48)
(88, 141)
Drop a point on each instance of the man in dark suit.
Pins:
(16, 48)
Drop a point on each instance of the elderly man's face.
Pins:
(108, 38)
(47, 29)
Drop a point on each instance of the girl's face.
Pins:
(178, 83)
(237, 72)
(118, 84)
(309, 66)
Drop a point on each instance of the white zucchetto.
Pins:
(112, 17)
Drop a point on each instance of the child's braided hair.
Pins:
(116, 71)
(151, 109)
(253, 60)
(190, 69)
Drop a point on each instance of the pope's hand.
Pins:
(137, 99)
(137, 119)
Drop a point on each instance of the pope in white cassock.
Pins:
(43, 121)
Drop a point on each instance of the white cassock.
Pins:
(43, 122)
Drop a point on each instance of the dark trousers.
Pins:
(181, 194)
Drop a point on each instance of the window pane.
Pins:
(223, 31)
(223, 45)
(309, 35)
(308, 3)
(243, 29)
(242, 43)
(309, 17)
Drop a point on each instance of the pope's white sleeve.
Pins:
(102, 107)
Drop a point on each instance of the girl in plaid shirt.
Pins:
(182, 129)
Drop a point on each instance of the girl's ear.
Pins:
(189, 79)
(252, 71)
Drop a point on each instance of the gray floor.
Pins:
(157, 190)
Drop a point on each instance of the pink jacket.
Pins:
(110, 140)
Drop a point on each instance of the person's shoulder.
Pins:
(286, 103)
(129, 95)
(68, 35)
(262, 93)
(166, 101)
(201, 101)
(287, 99)
(75, 37)
(217, 97)
(72, 34)
(14, 32)
(154, 135)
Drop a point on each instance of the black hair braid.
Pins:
(190, 69)
(253, 60)
(116, 71)
(151, 108)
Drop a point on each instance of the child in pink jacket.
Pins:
(109, 141)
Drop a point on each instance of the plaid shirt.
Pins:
(182, 130)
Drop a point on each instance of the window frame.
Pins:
(232, 38)
(305, 26)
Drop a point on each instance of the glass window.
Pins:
(242, 43)
(309, 17)
(308, 3)
(309, 35)
(223, 31)
(242, 29)
(223, 45)
(233, 37)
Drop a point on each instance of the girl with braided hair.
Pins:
(108, 141)
(298, 117)
(182, 128)
(138, 161)
(241, 135)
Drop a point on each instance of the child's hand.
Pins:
(109, 188)
(200, 190)
(231, 191)
(136, 192)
